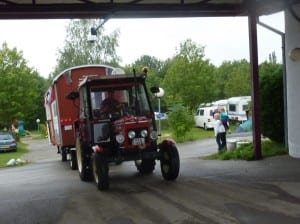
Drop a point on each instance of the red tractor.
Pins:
(123, 129)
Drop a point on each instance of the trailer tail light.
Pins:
(66, 121)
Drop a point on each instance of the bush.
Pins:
(164, 124)
(43, 129)
(180, 122)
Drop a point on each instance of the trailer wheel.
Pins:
(82, 162)
(63, 152)
(100, 171)
(73, 160)
(169, 162)
(145, 166)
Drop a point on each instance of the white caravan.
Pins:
(237, 106)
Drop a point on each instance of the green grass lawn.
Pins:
(6, 156)
(192, 135)
(245, 152)
(37, 135)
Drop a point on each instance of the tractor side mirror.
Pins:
(154, 89)
(72, 95)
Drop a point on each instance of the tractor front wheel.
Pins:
(84, 171)
(169, 162)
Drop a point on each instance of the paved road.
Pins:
(48, 191)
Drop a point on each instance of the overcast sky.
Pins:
(223, 38)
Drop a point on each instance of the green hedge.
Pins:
(271, 102)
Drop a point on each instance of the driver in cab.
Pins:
(110, 104)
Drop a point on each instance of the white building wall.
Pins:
(292, 31)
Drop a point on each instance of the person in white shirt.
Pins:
(220, 132)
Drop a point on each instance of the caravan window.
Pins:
(245, 107)
(232, 107)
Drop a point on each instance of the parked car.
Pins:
(7, 142)
(204, 117)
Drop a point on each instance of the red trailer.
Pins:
(61, 112)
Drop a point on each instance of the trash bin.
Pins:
(231, 144)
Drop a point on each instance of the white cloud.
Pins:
(37, 39)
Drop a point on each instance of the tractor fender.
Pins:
(167, 144)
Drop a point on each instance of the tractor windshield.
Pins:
(125, 100)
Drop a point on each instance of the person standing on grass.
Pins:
(220, 132)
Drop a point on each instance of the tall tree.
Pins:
(221, 75)
(238, 79)
(154, 76)
(188, 79)
(18, 84)
(78, 50)
(273, 58)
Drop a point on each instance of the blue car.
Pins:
(7, 142)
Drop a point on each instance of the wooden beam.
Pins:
(256, 131)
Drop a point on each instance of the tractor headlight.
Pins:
(153, 135)
(144, 133)
(120, 138)
(131, 134)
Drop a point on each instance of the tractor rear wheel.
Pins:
(100, 171)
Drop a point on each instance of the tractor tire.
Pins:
(145, 166)
(169, 162)
(63, 152)
(100, 171)
(73, 160)
(85, 173)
